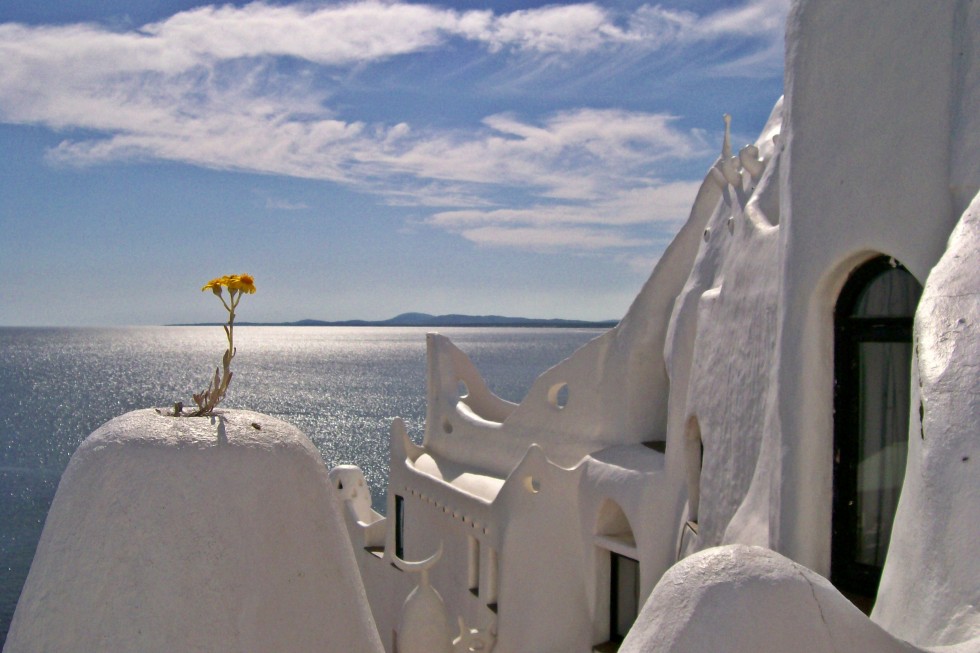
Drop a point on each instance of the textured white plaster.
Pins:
(167, 535)
(744, 599)
(194, 534)
(617, 384)
(463, 479)
(728, 305)
(866, 135)
(930, 587)
(353, 489)
(424, 627)
(965, 164)
(730, 344)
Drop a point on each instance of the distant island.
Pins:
(426, 320)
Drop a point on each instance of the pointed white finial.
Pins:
(726, 144)
(730, 165)
(727, 170)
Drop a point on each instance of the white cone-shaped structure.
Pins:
(424, 627)
(194, 534)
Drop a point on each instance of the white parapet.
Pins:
(194, 534)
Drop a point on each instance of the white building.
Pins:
(766, 388)
(794, 396)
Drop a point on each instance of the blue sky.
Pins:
(360, 159)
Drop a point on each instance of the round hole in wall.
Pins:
(447, 426)
(707, 234)
(532, 484)
(558, 395)
(462, 390)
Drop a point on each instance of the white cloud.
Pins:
(553, 238)
(662, 202)
(553, 29)
(205, 87)
(756, 18)
(43, 66)
(573, 155)
(607, 224)
(332, 35)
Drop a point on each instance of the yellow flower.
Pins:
(215, 285)
(242, 283)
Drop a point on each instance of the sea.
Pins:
(341, 386)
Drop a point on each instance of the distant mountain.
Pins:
(426, 320)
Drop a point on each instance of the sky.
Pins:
(360, 159)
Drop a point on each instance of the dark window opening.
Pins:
(872, 366)
(400, 526)
(474, 566)
(624, 595)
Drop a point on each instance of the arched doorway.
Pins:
(872, 366)
(619, 575)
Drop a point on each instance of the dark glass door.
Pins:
(873, 358)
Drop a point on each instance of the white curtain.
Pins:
(884, 385)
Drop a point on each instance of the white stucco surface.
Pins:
(194, 534)
(864, 171)
(747, 599)
(423, 627)
(466, 480)
(696, 438)
(616, 385)
(964, 163)
(930, 586)
(703, 425)
(718, 400)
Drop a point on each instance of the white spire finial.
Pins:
(726, 145)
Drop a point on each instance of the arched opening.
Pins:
(612, 523)
(872, 367)
(619, 573)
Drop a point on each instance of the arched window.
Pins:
(873, 358)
